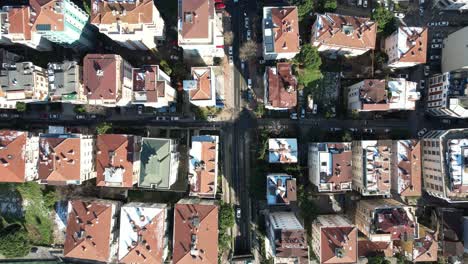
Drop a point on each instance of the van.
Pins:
(359, 3)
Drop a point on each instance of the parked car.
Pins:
(80, 117)
(246, 21)
(140, 109)
(438, 35)
(334, 129)
(437, 40)
(15, 115)
(4, 115)
(231, 60)
(422, 132)
(435, 57)
(427, 70)
(174, 118)
(364, 4)
(220, 6)
(302, 113)
(261, 61)
(54, 116)
(249, 83)
(432, 24)
(249, 35)
(314, 110)
(400, 15)
(293, 116)
(238, 213)
(242, 65)
(446, 121)
(443, 23)
(421, 11)
(422, 84)
(230, 50)
(352, 129)
(436, 46)
(404, 76)
(174, 57)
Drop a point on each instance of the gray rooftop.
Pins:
(64, 78)
(18, 76)
(155, 163)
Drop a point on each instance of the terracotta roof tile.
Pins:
(407, 168)
(59, 159)
(109, 12)
(102, 76)
(196, 15)
(368, 248)
(338, 244)
(203, 77)
(114, 154)
(344, 31)
(286, 30)
(198, 223)
(206, 173)
(45, 15)
(415, 44)
(19, 19)
(149, 237)
(292, 244)
(88, 230)
(12, 161)
(282, 86)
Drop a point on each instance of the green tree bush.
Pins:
(307, 65)
(103, 128)
(386, 21)
(304, 7)
(20, 106)
(14, 241)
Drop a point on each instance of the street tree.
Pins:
(20, 106)
(14, 241)
(228, 37)
(103, 128)
(308, 63)
(386, 21)
(304, 7)
(248, 50)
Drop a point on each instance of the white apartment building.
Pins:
(134, 24)
(202, 89)
(447, 95)
(22, 82)
(443, 164)
(107, 80)
(280, 32)
(203, 166)
(339, 35)
(371, 163)
(455, 51)
(330, 168)
(200, 30)
(406, 47)
(152, 87)
(287, 238)
(380, 95)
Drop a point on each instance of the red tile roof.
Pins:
(59, 159)
(45, 15)
(368, 248)
(150, 247)
(88, 231)
(344, 31)
(203, 77)
(338, 244)
(196, 15)
(115, 152)
(418, 45)
(282, 86)
(395, 221)
(409, 169)
(19, 19)
(341, 168)
(292, 244)
(374, 95)
(206, 176)
(286, 30)
(195, 233)
(109, 12)
(145, 79)
(12, 162)
(102, 76)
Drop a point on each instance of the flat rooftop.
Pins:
(282, 150)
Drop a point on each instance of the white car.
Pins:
(230, 50)
(249, 35)
(249, 83)
(427, 70)
(432, 24)
(238, 213)
(436, 46)
(437, 40)
(435, 57)
(231, 60)
(140, 109)
(174, 57)
(364, 4)
(246, 21)
(242, 65)
(404, 76)
(400, 15)
(443, 23)
(293, 116)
